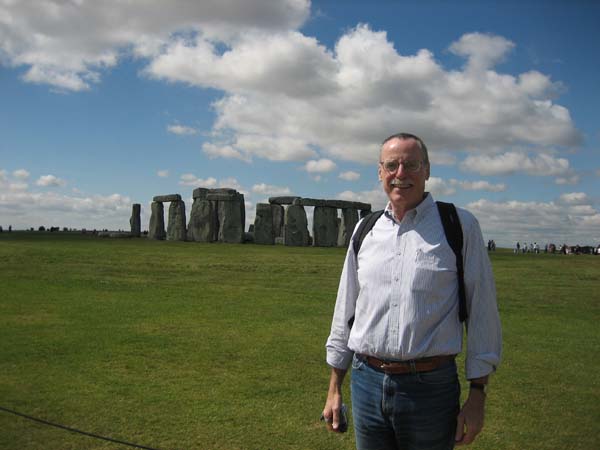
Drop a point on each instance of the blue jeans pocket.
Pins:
(357, 362)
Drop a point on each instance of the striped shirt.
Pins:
(403, 292)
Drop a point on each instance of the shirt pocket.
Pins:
(434, 270)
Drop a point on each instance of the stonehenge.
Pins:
(295, 228)
(135, 221)
(156, 229)
(263, 225)
(176, 230)
(219, 215)
(328, 229)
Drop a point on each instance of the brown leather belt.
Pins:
(412, 366)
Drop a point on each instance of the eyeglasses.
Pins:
(391, 166)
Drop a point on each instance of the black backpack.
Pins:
(454, 236)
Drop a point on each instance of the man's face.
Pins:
(404, 188)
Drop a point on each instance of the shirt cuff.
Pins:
(481, 366)
(339, 360)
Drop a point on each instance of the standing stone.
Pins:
(296, 226)
(278, 214)
(135, 221)
(156, 230)
(325, 227)
(263, 225)
(203, 225)
(364, 213)
(176, 228)
(349, 221)
(231, 215)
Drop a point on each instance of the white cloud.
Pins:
(375, 197)
(349, 175)
(21, 174)
(574, 198)
(319, 166)
(189, 179)
(513, 162)
(223, 151)
(286, 97)
(163, 173)
(18, 186)
(441, 158)
(542, 222)
(68, 44)
(480, 185)
(9, 185)
(181, 130)
(232, 183)
(270, 190)
(27, 209)
(439, 187)
(570, 179)
(50, 181)
(483, 51)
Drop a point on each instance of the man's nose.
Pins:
(400, 170)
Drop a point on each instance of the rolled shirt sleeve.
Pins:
(484, 333)
(338, 353)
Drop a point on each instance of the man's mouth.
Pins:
(400, 184)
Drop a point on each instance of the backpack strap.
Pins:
(361, 232)
(363, 229)
(454, 236)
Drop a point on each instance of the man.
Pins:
(396, 319)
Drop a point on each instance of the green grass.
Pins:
(216, 346)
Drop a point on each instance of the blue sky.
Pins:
(105, 104)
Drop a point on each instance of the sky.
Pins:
(106, 104)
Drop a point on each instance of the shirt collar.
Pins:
(417, 213)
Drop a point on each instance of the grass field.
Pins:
(213, 346)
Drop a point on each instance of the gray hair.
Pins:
(405, 136)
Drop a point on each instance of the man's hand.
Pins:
(333, 405)
(470, 418)
(332, 413)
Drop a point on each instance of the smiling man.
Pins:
(396, 319)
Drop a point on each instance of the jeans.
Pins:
(415, 411)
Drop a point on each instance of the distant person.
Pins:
(396, 319)
(536, 248)
(517, 248)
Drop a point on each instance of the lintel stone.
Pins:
(283, 200)
(200, 193)
(221, 197)
(167, 198)
(341, 204)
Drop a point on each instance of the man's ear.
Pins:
(427, 167)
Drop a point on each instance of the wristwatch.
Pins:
(478, 386)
